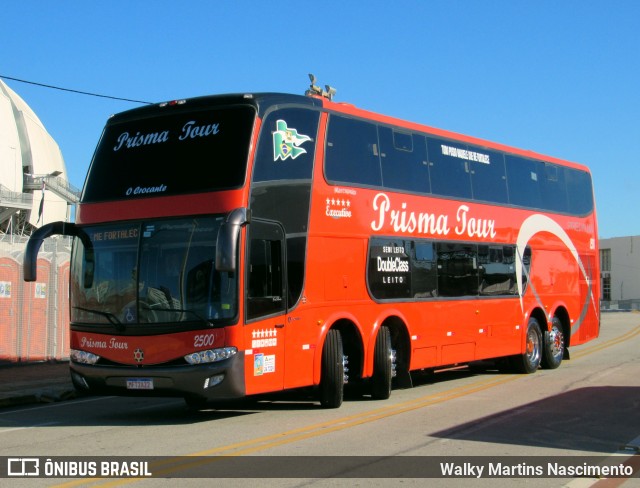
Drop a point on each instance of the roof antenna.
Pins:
(314, 90)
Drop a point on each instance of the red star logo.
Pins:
(138, 355)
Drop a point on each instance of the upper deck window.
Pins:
(352, 152)
(363, 153)
(184, 152)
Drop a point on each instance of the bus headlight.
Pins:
(211, 355)
(83, 357)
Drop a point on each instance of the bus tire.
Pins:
(529, 362)
(332, 371)
(553, 350)
(382, 366)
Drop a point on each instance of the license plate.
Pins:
(139, 383)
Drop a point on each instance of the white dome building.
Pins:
(32, 190)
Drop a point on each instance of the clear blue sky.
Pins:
(558, 77)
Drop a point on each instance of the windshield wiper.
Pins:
(108, 315)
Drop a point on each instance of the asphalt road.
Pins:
(588, 408)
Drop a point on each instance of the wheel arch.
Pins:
(352, 344)
(400, 342)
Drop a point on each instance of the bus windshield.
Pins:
(152, 272)
(173, 154)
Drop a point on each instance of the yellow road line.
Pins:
(611, 342)
(250, 446)
(262, 443)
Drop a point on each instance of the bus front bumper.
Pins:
(222, 380)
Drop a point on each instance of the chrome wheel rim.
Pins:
(533, 348)
(556, 342)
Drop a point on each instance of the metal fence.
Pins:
(34, 317)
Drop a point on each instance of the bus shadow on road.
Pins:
(592, 419)
(161, 413)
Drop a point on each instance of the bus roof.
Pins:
(267, 100)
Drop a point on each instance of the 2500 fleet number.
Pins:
(204, 340)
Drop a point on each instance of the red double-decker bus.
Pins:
(242, 244)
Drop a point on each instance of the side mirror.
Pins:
(56, 228)
(228, 238)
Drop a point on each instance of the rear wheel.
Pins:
(332, 372)
(529, 362)
(553, 351)
(382, 365)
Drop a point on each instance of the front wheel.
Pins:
(553, 351)
(332, 371)
(529, 362)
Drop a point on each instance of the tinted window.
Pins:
(554, 188)
(424, 276)
(404, 163)
(265, 290)
(526, 266)
(281, 187)
(488, 176)
(422, 269)
(296, 254)
(579, 191)
(363, 153)
(352, 154)
(152, 272)
(449, 169)
(497, 270)
(389, 274)
(287, 145)
(171, 154)
(457, 269)
(525, 178)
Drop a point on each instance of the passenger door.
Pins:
(265, 308)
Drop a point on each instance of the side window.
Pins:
(281, 187)
(449, 169)
(424, 274)
(525, 179)
(497, 270)
(488, 176)
(457, 269)
(389, 274)
(526, 267)
(265, 289)
(296, 250)
(352, 154)
(554, 189)
(422, 269)
(579, 191)
(403, 157)
(287, 145)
